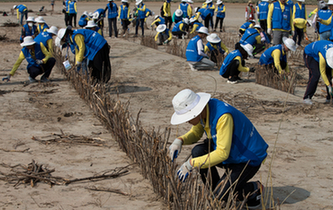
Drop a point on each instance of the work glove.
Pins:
(166, 42)
(7, 79)
(319, 19)
(330, 90)
(184, 170)
(175, 148)
(39, 62)
(252, 69)
(269, 31)
(310, 15)
(293, 33)
(78, 66)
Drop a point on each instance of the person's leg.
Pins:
(212, 22)
(110, 27)
(216, 22)
(142, 21)
(277, 37)
(34, 71)
(329, 77)
(207, 21)
(213, 56)
(114, 22)
(75, 20)
(101, 65)
(48, 67)
(160, 39)
(314, 76)
(137, 26)
(70, 20)
(204, 64)
(221, 24)
(257, 48)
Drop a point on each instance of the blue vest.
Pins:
(199, 25)
(123, 12)
(218, 45)
(245, 25)
(325, 15)
(177, 19)
(41, 29)
(211, 11)
(247, 145)
(83, 21)
(39, 55)
(192, 50)
(183, 7)
(67, 5)
(266, 58)
(220, 14)
(93, 41)
(27, 31)
(300, 12)
(263, 10)
(281, 20)
(313, 49)
(162, 21)
(112, 13)
(230, 57)
(249, 36)
(71, 7)
(43, 38)
(176, 27)
(21, 8)
(290, 3)
(141, 14)
(203, 13)
(166, 31)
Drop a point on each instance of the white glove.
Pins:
(184, 171)
(39, 62)
(330, 90)
(293, 33)
(319, 19)
(269, 31)
(175, 148)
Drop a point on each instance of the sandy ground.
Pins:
(302, 166)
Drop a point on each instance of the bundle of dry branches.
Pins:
(10, 24)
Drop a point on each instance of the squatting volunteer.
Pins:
(45, 39)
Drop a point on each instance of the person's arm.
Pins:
(313, 12)
(224, 48)
(165, 9)
(326, 22)
(216, 9)
(276, 54)
(79, 39)
(181, 27)
(18, 14)
(170, 36)
(258, 39)
(100, 31)
(106, 8)
(50, 46)
(291, 19)
(206, 49)
(193, 135)
(294, 11)
(156, 36)
(224, 132)
(241, 67)
(119, 11)
(154, 22)
(129, 12)
(269, 16)
(194, 28)
(322, 69)
(75, 7)
(45, 52)
(17, 64)
(201, 49)
(189, 10)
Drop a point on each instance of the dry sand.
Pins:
(301, 170)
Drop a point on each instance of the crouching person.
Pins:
(163, 35)
(215, 47)
(227, 131)
(40, 61)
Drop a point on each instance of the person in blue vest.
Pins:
(180, 30)
(279, 20)
(41, 24)
(29, 29)
(163, 35)
(195, 54)
(220, 14)
(45, 39)
(141, 12)
(211, 8)
(262, 14)
(124, 15)
(276, 57)
(91, 45)
(112, 9)
(158, 20)
(256, 37)
(185, 8)
(83, 21)
(215, 47)
(318, 58)
(98, 16)
(324, 30)
(93, 26)
(246, 25)
(166, 13)
(234, 63)
(195, 25)
(72, 12)
(23, 10)
(299, 14)
(290, 3)
(40, 61)
(65, 4)
(227, 130)
(177, 16)
(205, 15)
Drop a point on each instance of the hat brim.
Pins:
(137, 3)
(212, 41)
(28, 44)
(329, 57)
(161, 29)
(247, 51)
(51, 32)
(292, 48)
(177, 119)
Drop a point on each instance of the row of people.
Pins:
(30, 29)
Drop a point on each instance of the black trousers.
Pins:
(219, 20)
(168, 20)
(178, 34)
(66, 18)
(207, 21)
(257, 48)
(240, 174)
(263, 25)
(72, 17)
(101, 65)
(299, 33)
(232, 69)
(44, 69)
(141, 22)
(113, 25)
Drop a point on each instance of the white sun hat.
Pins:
(124, 1)
(248, 48)
(160, 28)
(179, 12)
(61, 33)
(301, 0)
(219, 2)
(192, 20)
(31, 19)
(85, 13)
(265, 0)
(190, 1)
(40, 19)
(188, 105)
(91, 24)
(213, 38)
(156, 16)
(203, 30)
(138, 2)
(329, 57)
(257, 26)
(186, 20)
(208, 1)
(90, 14)
(289, 43)
(14, 7)
(330, 2)
(95, 15)
(183, 1)
(27, 41)
(53, 30)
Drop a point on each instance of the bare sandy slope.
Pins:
(149, 78)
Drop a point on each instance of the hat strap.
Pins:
(190, 106)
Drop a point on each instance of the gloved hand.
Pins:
(269, 31)
(252, 69)
(319, 19)
(184, 170)
(7, 79)
(39, 62)
(310, 15)
(293, 33)
(175, 148)
(166, 42)
(330, 90)
(78, 66)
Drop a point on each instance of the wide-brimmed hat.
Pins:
(248, 48)
(91, 24)
(138, 2)
(289, 43)
(208, 1)
(257, 26)
(124, 1)
(192, 20)
(30, 19)
(14, 7)
(156, 16)
(160, 28)
(40, 19)
(183, 1)
(329, 57)
(186, 21)
(190, 1)
(219, 2)
(203, 30)
(265, 0)
(53, 30)
(213, 38)
(330, 2)
(301, 0)
(179, 12)
(188, 105)
(61, 33)
(27, 41)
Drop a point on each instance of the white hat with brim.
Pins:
(53, 30)
(330, 2)
(160, 28)
(257, 26)
(188, 105)
(138, 2)
(203, 30)
(289, 43)
(219, 2)
(124, 1)
(183, 1)
(40, 20)
(61, 33)
(329, 57)
(248, 48)
(213, 38)
(14, 7)
(91, 24)
(265, 0)
(190, 1)
(31, 19)
(301, 0)
(179, 12)
(208, 1)
(27, 41)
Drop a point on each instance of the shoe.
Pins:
(232, 80)
(238, 78)
(255, 202)
(44, 79)
(32, 80)
(192, 68)
(220, 30)
(307, 101)
(328, 101)
(183, 36)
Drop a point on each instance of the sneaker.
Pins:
(44, 79)
(255, 202)
(32, 80)
(238, 78)
(232, 80)
(307, 101)
(192, 68)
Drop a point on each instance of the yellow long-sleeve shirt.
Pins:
(41, 25)
(170, 36)
(18, 13)
(215, 47)
(313, 12)
(322, 69)
(298, 21)
(276, 54)
(167, 9)
(224, 131)
(155, 21)
(270, 14)
(81, 47)
(326, 22)
(22, 57)
(217, 9)
(241, 67)
(189, 10)
(128, 13)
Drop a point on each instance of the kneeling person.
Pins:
(215, 47)
(163, 35)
